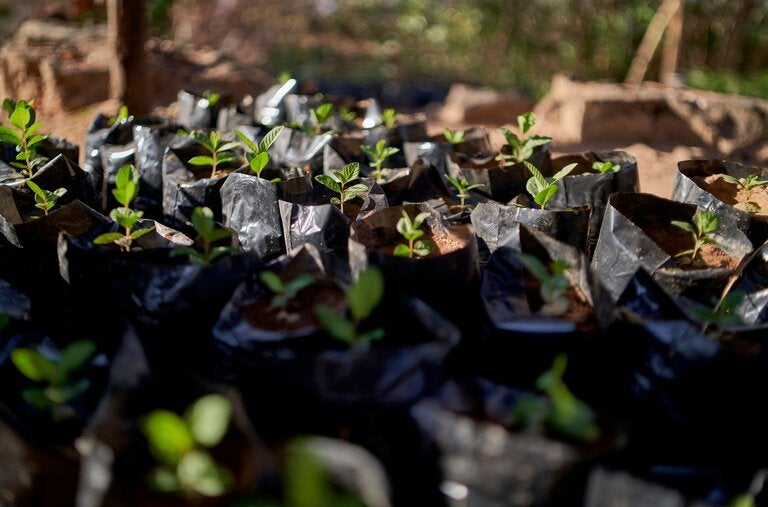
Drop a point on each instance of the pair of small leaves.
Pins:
(220, 153)
(126, 185)
(338, 183)
(125, 191)
(205, 226)
(454, 136)
(522, 146)
(44, 199)
(606, 167)
(258, 156)
(724, 312)
(362, 298)
(388, 118)
(321, 114)
(541, 188)
(380, 152)
(179, 444)
(704, 223)
(462, 185)
(411, 231)
(747, 183)
(284, 292)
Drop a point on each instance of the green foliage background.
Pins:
(498, 43)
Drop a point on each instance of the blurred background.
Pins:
(430, 44)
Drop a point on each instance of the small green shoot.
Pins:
(378, 155)
(362, 297)
(122, 114)
(284, 292)
(606, 167)
(57, 382)
(220, 153)
(320, 115)
(541, 188)
(22, 116)
(522, 146)
(701, 228)
(724, 312)
(258, 155)
(205, 226)
(338, 183)
(284, 76)
(454, 136)
(569, 416)
(44, 199)
(347, 114)
(388, 118)
(212, 97)
(554, 283)
(463, 188)
(125, 191)
(747, 183)
(180, 445)
(411, 231)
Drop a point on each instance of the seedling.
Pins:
(180, 445)
(122, 114)
(205, 226)
(284, 292)
(220, 153)
(411, 231)
(522, 146)
(565, 414)
(701, 228)
(388, 118)
(22, 117)
(126, 188)
(541, 188)
(212, 97)
(378, 155)
(44, 199)
(320, 115)
(258, 156)
(56, 378)
(606, 167)
(553, 283)
(747, 183)
(463, 187)
(362, 298)
(338, 183)
(347, 114)
(723, 313)
(454, 136)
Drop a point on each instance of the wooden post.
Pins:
(126, 20)
(651, 41)
(671, 50)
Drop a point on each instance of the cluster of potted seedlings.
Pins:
(306, 300)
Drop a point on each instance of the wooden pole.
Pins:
(126, 24)
(651, 41)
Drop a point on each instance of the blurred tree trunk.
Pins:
(671, 50)
(651, 40)
(732, 57)
(126, 20)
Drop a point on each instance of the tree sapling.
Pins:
(258, 155)
(56, 378)
(180, 445)
(44, 199)
(22, 116)
(554, 283)
(522, 146)
(362, 297)
(747, 184)
(453, 136)
(388, 118)
(338, 183)
(541, 188)
(606, 167)
(205, 226)
(126, 188)
(378, 155)
(284, 292)
(220, 153)
(701, 229)
(411, 231)
(320, 115)
(463, 188)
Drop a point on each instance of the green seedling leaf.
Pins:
(76, 355)
(68, 391)
(205, 226)
(454, 136)
(168, 435)
(164, 480)
(350, 193)
(107, 238)
(423, 248)
(606, 167)
(9, 136)
(525, 122)
(270, 138)
(684, 226)
(328, 182)
(401, 250)
(350, 172)
(141, 232)
(33, 365)
(365, 294)
(388, 118)
(545, 195)
(201, 160)
(272, 281)
(208, 419)
(197, 471)
(335, 324)
(731, 179)
(21, 117)
(534, 266)
(36, 397)
(247, 141)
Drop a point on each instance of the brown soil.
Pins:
(298, 314)
(735, 195)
